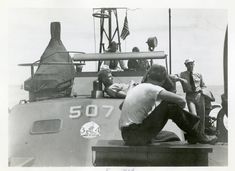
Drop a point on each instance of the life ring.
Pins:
(100, 15)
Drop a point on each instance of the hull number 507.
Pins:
(90, 111)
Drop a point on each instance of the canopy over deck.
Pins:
(119, 56)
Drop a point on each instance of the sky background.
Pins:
(198, 28)
(196, 33)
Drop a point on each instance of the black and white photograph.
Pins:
(117, 86)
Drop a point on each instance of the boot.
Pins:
(202, 139)
(207, 139)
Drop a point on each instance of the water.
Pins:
(217, 91)
(17, 93)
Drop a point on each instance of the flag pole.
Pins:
(125, 39)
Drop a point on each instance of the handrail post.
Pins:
(32, 70)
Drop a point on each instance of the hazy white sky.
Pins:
(196, 33)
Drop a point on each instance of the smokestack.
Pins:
(52, 81)
(55, 30)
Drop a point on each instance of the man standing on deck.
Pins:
(137, 65)
(148, 106)
(193, 86)
(113, 64)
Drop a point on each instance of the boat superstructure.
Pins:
(61, 130)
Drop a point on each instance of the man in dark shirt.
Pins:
(138, 65)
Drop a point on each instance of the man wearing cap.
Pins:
(193, 85)
(148, 106)
(113, 64)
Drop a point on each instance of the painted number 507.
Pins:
(90, 111)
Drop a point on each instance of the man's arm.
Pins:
(115, 93)
(172, 97)
(122, 65)
(145, 76)
(169, 85)
(121, 94)
(176, 78)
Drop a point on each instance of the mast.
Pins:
(225, 63)
(110, 25)
(169, 41)
(109, 31)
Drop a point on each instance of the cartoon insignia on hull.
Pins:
(90, 130)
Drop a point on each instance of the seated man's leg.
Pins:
(190, 124)
(184, 120)
(141, 134)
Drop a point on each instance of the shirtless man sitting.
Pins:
(115, 90)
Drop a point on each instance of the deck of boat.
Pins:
(178, 153)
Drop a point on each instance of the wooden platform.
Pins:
(115, 153)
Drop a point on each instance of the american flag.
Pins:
(125, 29)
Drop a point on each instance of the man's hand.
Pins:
(132, 84)
(174, 78)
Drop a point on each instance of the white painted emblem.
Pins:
(90, 130)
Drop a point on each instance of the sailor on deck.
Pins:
(148, 106)
(138, 65)
(113, 64)
(193, 85)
